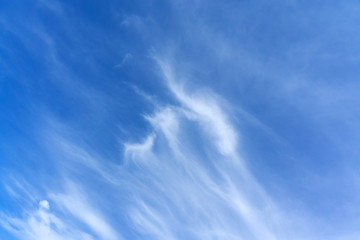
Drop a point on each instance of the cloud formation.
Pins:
(205, 202)
(135, 120)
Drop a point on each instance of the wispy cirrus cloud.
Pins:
(204, 202)
(174, 189)
(41, 224)
(76, 203)
(61, 219)
(186, 168)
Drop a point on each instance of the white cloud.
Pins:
(206, 109)
(44, 204)
(166, 121)
(78, 205)
(180, 195)
(65, 220)
(40, 224)
(178, 190)
(137, 151)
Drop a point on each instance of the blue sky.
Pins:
(179, 120)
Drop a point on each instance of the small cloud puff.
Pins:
(44, 204)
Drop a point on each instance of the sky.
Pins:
(179, 119)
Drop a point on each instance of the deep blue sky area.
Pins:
(179, 119)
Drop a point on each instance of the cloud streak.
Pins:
(72, 208)
(204, 202)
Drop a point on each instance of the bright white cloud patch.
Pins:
(204, 107)
(41, 224)
(44, 204)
